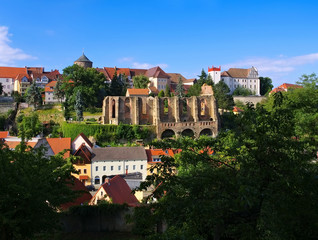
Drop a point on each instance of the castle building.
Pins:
(237, 77)
(84, 62)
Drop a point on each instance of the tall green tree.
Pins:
(29, 126)
(141, 81)
(221, 93)
(79, 106)
(180, 88)
(33, 95)
(310, 80)
(116, 86)
(161, 94)
(91, 82)
(167, 91)
(194, 90)
(32, 189)
(266, 85)
(58, 90)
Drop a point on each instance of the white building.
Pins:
(237, 77)
(112, 161)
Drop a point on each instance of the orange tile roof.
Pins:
(289, 85)
(4, 134)
(154, 90)
(237, 109)
(111, 71)
(13, 144)
(60, 144)
(158, 152)
(49, 86)
(12, 72)
(136, 91)
(156, 72)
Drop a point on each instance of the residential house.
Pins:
(117, 160)
(154, 157)
(83, 164)
(135, 92)
(285, 87)
(49, 93)
(158, 78)
(21, 83)
(117, 191)
(60, 144)
(237, 77)
(79, 140)
(8, 76)
(41, 79)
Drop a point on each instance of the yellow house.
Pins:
(83, 165)
(21, 83)
(154, 157)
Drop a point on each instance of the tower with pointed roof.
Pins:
(84, 62)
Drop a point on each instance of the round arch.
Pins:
(207, 132)
(97, 180)
(168, 133)
(187, 133)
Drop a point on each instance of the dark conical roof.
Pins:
(83, 58)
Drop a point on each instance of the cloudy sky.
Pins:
(276, 36)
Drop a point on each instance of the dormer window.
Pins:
(24, 79)
(44, 79)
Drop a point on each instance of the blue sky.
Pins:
(278, 37)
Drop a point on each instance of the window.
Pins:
(119, 167)
(134, 167)
(141, 167)
(96, 168)
(85, 171)
(79, 171)
(97, 180)
(127, 167)
(101, 193)
(104, 168)
(111, 168)
(7, 80)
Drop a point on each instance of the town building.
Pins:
(154, 158)
(112, 161)
(285, 87)
(84, 62)
(135, 92)
(237, 77)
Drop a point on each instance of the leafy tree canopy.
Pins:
(117, 86)
(221, 93)
(33, 95)
(180, 88)
(241, 91)
(308, 80)
(29, 126)
(141, 81)
(161, 94)
(167, 91)
(266, 85)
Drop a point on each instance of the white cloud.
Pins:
(125, 59)
(281, 64)
(8, 54)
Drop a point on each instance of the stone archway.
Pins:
(207, 132)
(187, 133)
(168, 133)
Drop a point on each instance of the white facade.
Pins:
(49, 98)
(103, 169)
(159, 83)
(8, 85)
(215, 74)
(78, 141)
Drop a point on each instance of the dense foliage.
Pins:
(265, 85)
(29, 126)
(33, 96)
(260, 181)
(140, 81)
(32, 189)
(241, 91)
(222, 95)
(180, 89)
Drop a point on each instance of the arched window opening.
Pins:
(113, 109)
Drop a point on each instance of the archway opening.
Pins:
(113, 109)
(207, 132)
(168, 134)
(187, 133)
(97, 180)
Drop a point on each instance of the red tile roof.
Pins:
(60, 144)
(156, 72)
(284, 88)
(136, 91)
(4, 134)
(13, 144)
(118, 190)
(157, 153)
(83, 152)
(12, 72)
(154, 90)
(84, 197)
(50, 86)
(174, 77)
(111, 71)
(237, 109)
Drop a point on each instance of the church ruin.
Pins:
(188, 116)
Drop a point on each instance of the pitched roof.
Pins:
(238, 72)
(136, 72)
(49, 86)
(12, 72)
(83, 58)
(50, 75)
(154, 89)
(4, 134)
(111, 71)
(84, 195)
(85, 139)
(83, 152)
(119, 153)
(174, 77)
(21, 76)
(60, 144)
(156, 72)
(289, 85)
(136, 91)
(151, 153)
(118, 190)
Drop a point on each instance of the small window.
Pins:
(96, 168)
(101, 193)
(97, 180)
(79, 171)
(111, 168)
(141, 167)
(104, 168)
(127, 167)
(85, 171)
(119, 167)
(134, 167)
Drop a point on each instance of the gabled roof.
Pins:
(119, 153)
(138, 92)
(84, 195)
(151, 153)
(156, 72)
(118, 190)
(12, 72)
(60, 144)
(238, 72)
(49, 86)
(85, 139)
(19, 77)
(111, 71)
(153, 90)
(83, 152)
(289, 85)
(136, 72)
(83, 58)
(174, 77)
(50, 75)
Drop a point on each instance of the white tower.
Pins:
(215, 74)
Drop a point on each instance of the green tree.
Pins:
(194, 90)
(29, 126)
(141, 81)
(202, 78)
(91, 82)
(33, 95)
(308, 80)
(241, 91)
(79, 106)
(167, 91)
(266, 85)
(180, 88)
(257, 178)
(221, 93)
(58, 90)
(32, 189)
(116, 86)
(161, 94)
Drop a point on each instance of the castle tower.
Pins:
(215, 74)
(84, 62)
